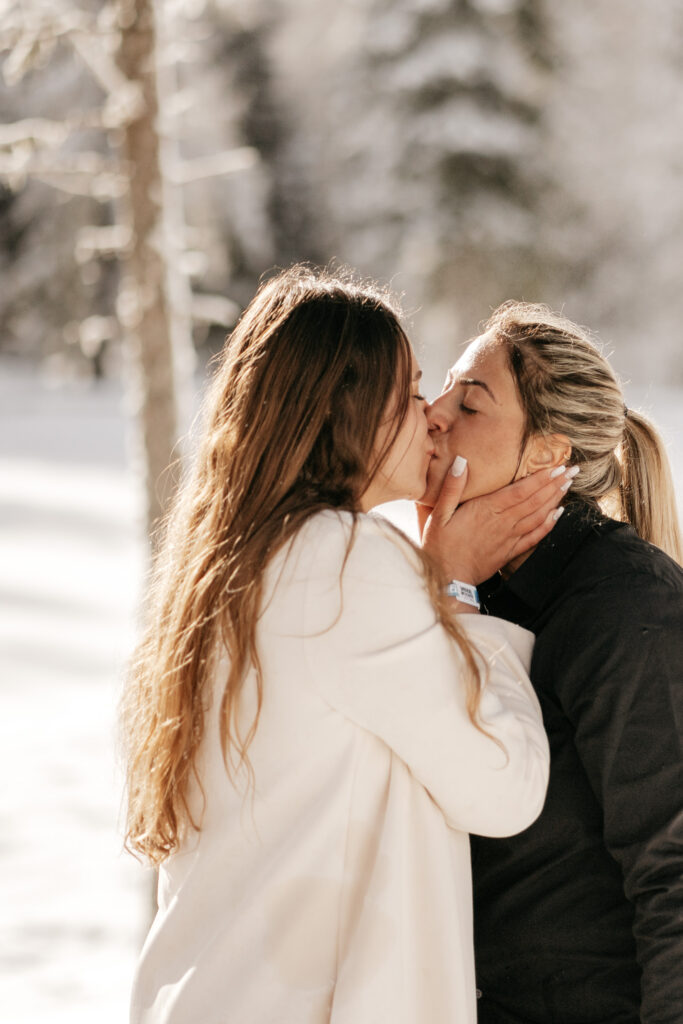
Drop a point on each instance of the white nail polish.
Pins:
(558, 471)
(458, 467)
(572, 472)
(558, 512)
(566, 485)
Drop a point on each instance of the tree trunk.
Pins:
(143, 309)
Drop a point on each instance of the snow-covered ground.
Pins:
(71, 559)
(74, 907)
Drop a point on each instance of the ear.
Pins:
(544, 451)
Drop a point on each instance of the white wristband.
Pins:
(465, 592)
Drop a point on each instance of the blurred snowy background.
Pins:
(467, 150)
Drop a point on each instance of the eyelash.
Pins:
(420, 398)
(466, 409)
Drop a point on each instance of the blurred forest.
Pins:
(468, 150)
(152, 169)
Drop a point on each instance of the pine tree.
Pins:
(423, 124)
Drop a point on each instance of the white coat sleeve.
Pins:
(377, 654)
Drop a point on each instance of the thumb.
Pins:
(451, 491)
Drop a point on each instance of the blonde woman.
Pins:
(579, 919)
(311, 733)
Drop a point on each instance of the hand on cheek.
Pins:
(475, 539)
(452, 487)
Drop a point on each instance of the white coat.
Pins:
(338, 889)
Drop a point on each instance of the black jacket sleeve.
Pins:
(619, 679)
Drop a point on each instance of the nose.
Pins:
(438, 419)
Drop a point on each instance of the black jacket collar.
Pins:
(530, 588)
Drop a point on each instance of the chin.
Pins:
(417, 492)
(431, 492)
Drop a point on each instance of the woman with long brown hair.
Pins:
(310, 732)
(580, 918)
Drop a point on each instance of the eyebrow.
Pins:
(418, 375)
(471, 382)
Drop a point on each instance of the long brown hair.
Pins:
(566, 386)
(291, 417)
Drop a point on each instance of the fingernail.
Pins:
(558, 512)
(566, 485)
(458, 467)
(558, 471)
(572, 472)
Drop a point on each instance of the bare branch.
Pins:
(31, 35)
(44, 132)
(25, 159)
(87, 174)
(102, 188)
(35, 129)
(229, 162)
(126, 101)
(48, 20)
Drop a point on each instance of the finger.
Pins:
(535, 536)
(451, 491)
(537, 517)
(534, 509)
(534, 490)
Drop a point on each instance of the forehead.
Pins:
(485, 359)
(485, 354)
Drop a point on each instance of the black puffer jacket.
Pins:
(580, 918)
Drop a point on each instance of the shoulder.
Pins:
(613, 562)
(356, 547)
(361, 572)
(616, 586)
(336, 553)
(620, 554)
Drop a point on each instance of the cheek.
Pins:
(492, 459)
(471, 439)
(416, 430)
(404, 449)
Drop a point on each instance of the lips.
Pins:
(437, 468)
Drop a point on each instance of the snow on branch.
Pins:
(88, 174)
(230, 161)
(34, 130)
(102, 188)
(126, 101)
(40, 131)
(30, 32)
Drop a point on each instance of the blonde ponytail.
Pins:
(646, 491)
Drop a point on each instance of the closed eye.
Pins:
(420, 398)
(466, 409)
